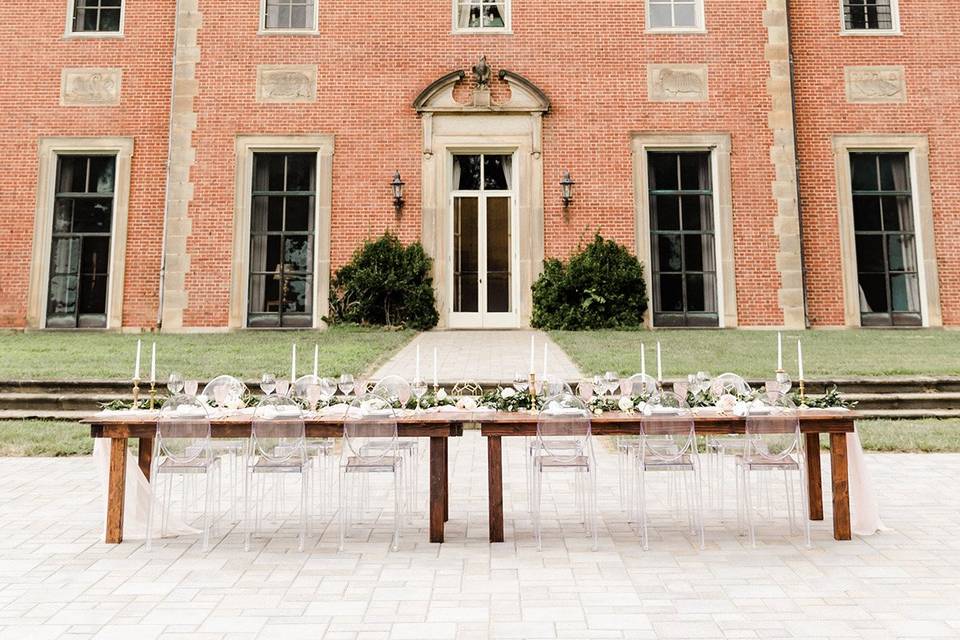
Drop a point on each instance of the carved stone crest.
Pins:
(90, 87)
(677, 83)
(286, 83)
(872, 85)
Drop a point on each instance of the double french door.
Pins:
(484, 242)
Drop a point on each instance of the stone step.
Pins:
(905, 401)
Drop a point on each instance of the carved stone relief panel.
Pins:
(287, 83)
(875, 84)
(90, 87)
(677, 82)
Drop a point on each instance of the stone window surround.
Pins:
(700, 28)
(507, 29)
(262, 29)
(70, 33)
(49, 149)
(246, 146)
(719, 146)
(918, 150)
(895, 31)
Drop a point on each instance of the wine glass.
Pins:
(520, 382)
(175, 383)
(681, 388)
(283, 386)
(419, 388)
(190, 387)
(612, 381)
(328, 388)
(314, 394)
(783, 379)
(220, 393)
(268, 383)
(346, 384)
(585, 391)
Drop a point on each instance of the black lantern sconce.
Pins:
(398, 200)
(566, 185)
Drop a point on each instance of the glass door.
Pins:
(484, 239)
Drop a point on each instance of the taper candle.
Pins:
(153, 364)
(643, 359)
(779, 351)
(544, 360)
(417, 376)
(532, 349)
(293, 364)
(136, 365)
(800, 359)
(316, 360)
(659, 364)
(435, 367)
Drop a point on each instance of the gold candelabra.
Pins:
(136, 393)
(153, 394)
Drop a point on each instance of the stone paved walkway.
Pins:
(479, 356)
(58, 581)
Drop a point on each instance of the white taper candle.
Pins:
(153, 364)
(417, 376)
(532, 349)
(800, 359)
(659, 364)
(643, 359)
(316, 359)
(293, 364)
(435, 366)
(779, 351)
(136, 365)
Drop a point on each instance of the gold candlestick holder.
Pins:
(803, 393)
(533, 390)
(153, 394)
(136, 393)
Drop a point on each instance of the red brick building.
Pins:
(197, 164)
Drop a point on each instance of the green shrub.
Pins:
(385, 283)
(601, 287)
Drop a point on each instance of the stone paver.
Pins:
(57, 580)
(479, 356)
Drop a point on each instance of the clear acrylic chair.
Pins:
(668, 443)
(719, 448)
(322, 451)
(233, 390)
(773, 444)
(370, 446)
(549, 387)
(564, 443)
(277, 450)
(640, 385)
(182, 448)
(396, 390)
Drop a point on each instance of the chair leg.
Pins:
(343, 507)
(805, 504)
(594, 507)
(538, 491)
(788, 486)
(642, 491)
(207, 509)
(748, 490)
(304, 514)
(154, 500)
(246, 509)
(397, 515)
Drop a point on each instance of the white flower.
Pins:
(467, 403)
(598, 411)
(716, 389)
(726, 402)
(441, 395)
(741, 409)
(625, 404)
(507, 393)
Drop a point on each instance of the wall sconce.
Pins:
(397, 185)
(567, 190)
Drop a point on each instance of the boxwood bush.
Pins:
(385, 283)
(601, 287)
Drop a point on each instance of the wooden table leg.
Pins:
(438, 487)
(841, 489)
(116, 490)
(814, 477)
(495, 487)
(446, 479)
(145, 456)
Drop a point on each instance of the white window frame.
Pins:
(246, 147)
(718, 145)
(701, 26)
(49, 150)
(917, 149)
(894, 31)
(506, 29)
(264, 31)
(70, 33)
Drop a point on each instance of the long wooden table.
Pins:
(837, 424)
(438, 427)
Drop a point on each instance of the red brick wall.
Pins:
(931, 59)
(34, 52)
(373, 59)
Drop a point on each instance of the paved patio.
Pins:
(479, 356)
(58, 580)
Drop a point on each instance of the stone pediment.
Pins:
(525, 97)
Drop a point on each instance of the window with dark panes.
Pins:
(288, 14)
(282, 222)
(96, 16)
(683, 244)
(886, 239)
(868, 14)
(80, 245)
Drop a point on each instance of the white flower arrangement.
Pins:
(507, 393)
(625, 404)
(727, 402)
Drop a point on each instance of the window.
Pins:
(289, 15)
(682, 238)
(481, 15)
(675, 15)
(886, 242)
(870, 15)
(80, 247)
(96, 16)
(282, 224)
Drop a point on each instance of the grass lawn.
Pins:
(826, 353)
(49, 438)
(52, 355)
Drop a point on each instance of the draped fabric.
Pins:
(463, 17)
(905, 295)
(508, 170)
